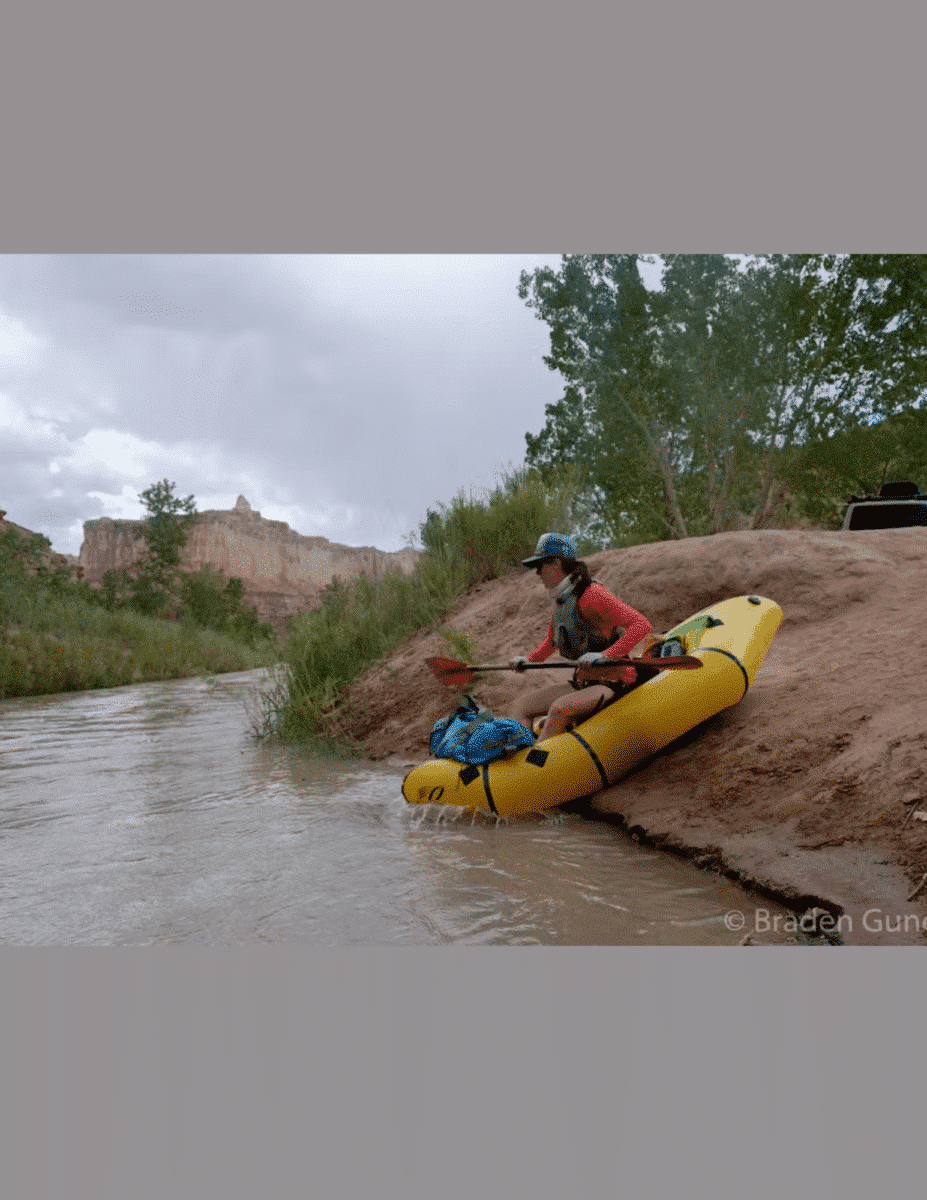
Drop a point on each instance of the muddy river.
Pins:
(150, 815)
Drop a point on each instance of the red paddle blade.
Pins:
(441, 665)
(451, 671)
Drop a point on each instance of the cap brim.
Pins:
(530, 562)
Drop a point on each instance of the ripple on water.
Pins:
(150, 815)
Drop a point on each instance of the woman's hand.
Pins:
(519, 662)
(589, 659)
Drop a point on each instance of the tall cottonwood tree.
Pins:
(704, 333)
(617, 419)
(679, 402)
(660, 397)
(167, 525)
(845, 346)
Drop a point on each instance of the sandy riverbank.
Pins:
(801, 789)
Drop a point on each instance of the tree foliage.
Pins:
(823, 474)
(615, 421)
(167, 524)
(214, 602)
(156, 584)
(679, 402)
(888, 339)
(165, 531)
(481, 537)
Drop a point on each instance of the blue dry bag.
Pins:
(471, 734)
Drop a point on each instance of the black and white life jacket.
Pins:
(573, 634)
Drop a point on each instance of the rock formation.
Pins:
(51, 558)
(283, 571)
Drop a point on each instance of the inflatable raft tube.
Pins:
(731, 638)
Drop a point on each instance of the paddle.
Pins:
(455, 673)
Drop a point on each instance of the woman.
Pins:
(588, 624)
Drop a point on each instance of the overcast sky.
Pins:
(344, 395)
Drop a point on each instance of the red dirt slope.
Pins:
(801, 788)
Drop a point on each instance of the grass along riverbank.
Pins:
(474, 539)
(83, 647)
(55, 635)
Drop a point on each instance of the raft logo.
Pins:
(817, 920)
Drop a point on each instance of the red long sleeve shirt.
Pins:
(607, 613)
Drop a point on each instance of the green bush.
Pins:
(214, 602)
(355, 625)
(56, 635)
(204, 598)
(116, 588)
(471, 540)
(482, 537)
(23, 556)
(69, 645)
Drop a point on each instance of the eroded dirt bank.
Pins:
(802, 788)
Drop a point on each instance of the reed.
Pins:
(475, 538)
(355, 625)
(481, 536)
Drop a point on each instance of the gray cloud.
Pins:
(345, 395)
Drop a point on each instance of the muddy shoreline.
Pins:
(806, 790)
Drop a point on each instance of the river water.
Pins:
(150, 815)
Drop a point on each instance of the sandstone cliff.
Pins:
(283, 571)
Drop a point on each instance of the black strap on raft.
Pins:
(733, 658)
(467, 776)
(489, 799)
(592, 754)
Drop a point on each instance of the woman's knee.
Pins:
(562, 705)
(578, 703)
(538, 702)
(566, 708)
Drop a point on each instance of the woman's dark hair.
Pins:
(575, 566)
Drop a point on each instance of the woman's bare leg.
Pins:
(569, 707)
(536, 703)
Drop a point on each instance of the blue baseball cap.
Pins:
(551, 545)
